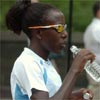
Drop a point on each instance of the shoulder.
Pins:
(92, 32)
(27, 61)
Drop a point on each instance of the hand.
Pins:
(78, 95)
(80, 60)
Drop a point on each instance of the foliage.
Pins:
(82, 11)
(4, 7)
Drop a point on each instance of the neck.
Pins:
(39, 50)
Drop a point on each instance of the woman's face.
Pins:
(52, 40)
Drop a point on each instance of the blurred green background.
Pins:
(82, 12)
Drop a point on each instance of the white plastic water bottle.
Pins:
(93, 69)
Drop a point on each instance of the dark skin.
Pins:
(45, 41)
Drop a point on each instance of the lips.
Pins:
(63, 45)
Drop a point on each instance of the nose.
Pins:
(64, 34)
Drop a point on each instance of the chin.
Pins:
(58, 51)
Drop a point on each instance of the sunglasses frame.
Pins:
(51, 26)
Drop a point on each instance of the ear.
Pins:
(39, 34)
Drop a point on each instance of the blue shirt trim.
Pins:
(19, 95)
(45, 76)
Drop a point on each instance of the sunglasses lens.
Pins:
(60, 28)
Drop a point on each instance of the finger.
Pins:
(90, 57)
(85, 52)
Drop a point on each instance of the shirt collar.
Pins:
(33, 54)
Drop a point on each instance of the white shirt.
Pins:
(92, 38)
(31, 71)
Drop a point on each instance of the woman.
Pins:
(33, 76)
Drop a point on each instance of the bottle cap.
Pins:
(86, 96)
(74, 49)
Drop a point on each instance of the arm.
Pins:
(65, 92)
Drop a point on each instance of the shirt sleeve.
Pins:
(96, 34)
(30, 75)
